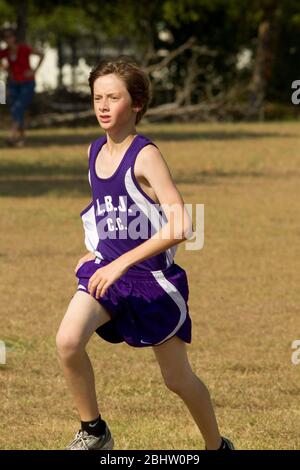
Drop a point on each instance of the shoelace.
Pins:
(80, 438)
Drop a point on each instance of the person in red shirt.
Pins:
(20, 82)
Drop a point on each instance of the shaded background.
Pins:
(208, 59)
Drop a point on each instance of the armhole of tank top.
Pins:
(90, 154)
(134, 177)
(92, 157)
(89, 164)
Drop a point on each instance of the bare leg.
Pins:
(179, 378)
(84, 315)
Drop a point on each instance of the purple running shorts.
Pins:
(146, 307)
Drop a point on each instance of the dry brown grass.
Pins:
(244, 290)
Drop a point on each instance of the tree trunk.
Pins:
(261, 70)
(21, 9)
(74, 60)
(267, 31)
(60, 63)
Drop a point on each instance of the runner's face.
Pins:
(112, 103)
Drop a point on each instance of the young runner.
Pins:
(129, 287)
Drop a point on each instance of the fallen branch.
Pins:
(162, 111)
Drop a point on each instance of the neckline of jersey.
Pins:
(121, 162)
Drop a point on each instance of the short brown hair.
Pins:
(136, 80)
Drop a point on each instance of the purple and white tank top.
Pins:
(121, 215)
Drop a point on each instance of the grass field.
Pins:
(244, 290)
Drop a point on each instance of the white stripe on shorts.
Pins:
(80, 286)
(174, 293)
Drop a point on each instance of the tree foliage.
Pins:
(221, 29)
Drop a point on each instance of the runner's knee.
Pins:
(68, 345)
(176, 380)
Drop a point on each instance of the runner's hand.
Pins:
(104, 277)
